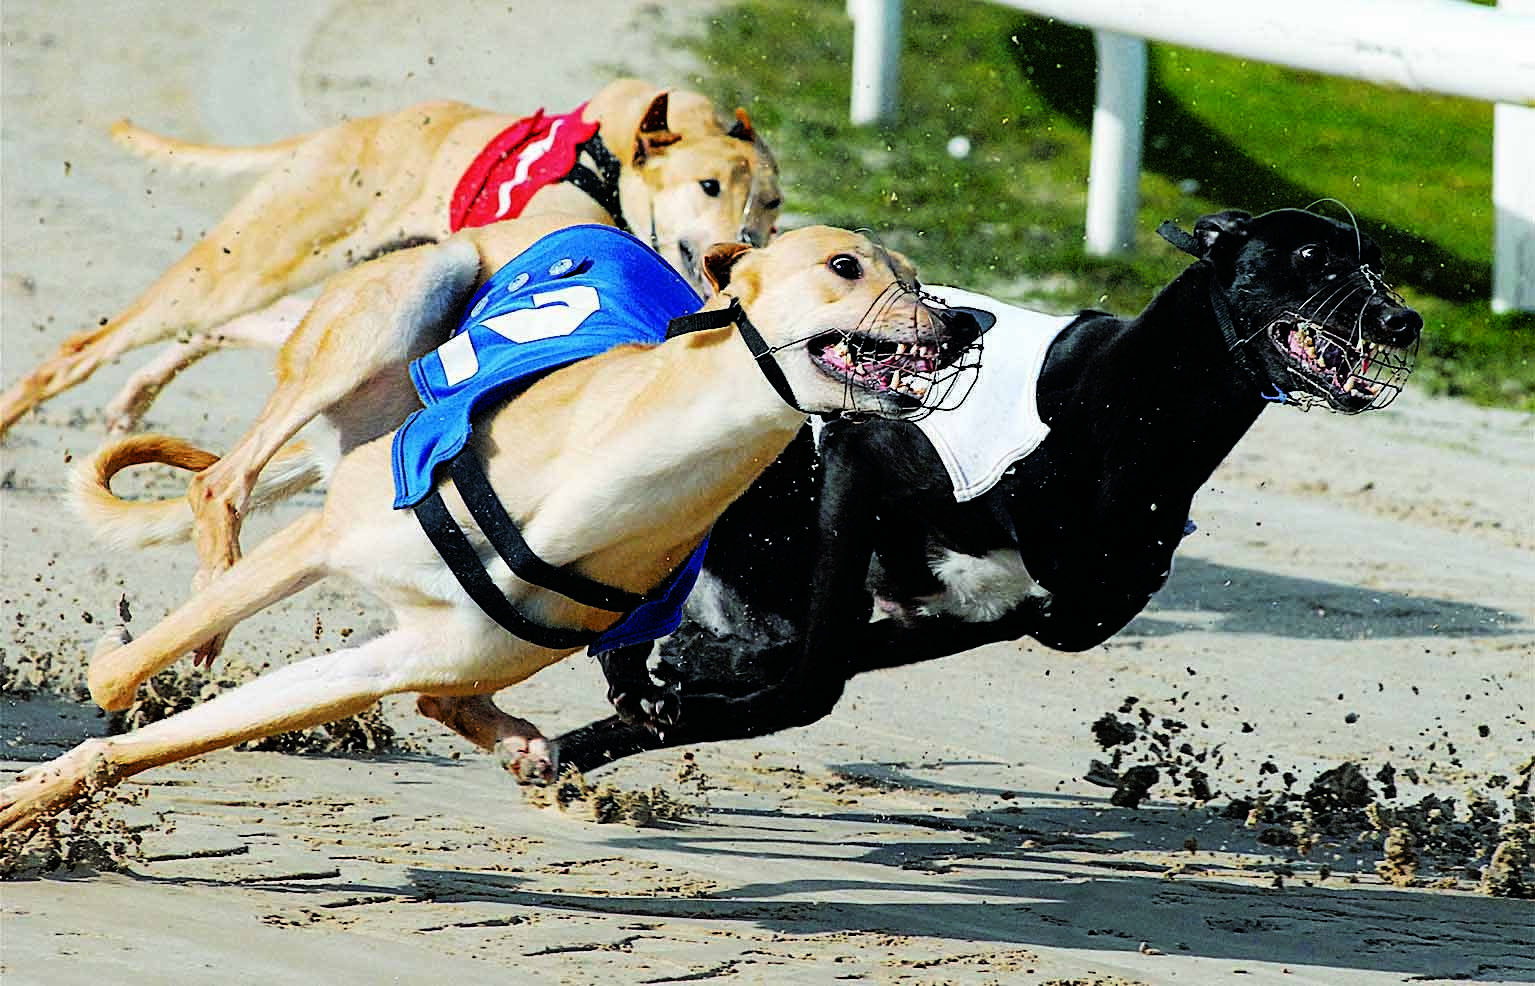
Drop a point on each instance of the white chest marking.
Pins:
(980, 589)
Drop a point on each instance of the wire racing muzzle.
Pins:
(1335, 348)
(1336, 364)
(928, 364)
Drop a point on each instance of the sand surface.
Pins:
(1358, 589)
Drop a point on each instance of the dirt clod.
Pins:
(607, 804)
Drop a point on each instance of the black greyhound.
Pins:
(1285, 307)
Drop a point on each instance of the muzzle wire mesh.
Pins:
(1359, 367)
(935, 363)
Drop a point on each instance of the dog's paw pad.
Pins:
(530, 764)
(628, 706)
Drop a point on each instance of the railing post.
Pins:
(1113, 182)
(876, 58)
(1513, 198)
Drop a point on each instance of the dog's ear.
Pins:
(742, 128)
(653, 133)
(1222, 232)
(718, 261)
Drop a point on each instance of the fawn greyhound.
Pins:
(663, 162)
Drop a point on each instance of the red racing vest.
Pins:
(527, 156)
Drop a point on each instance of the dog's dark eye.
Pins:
(1310, 253)
(775, 203)
(711, 187)
(845, 266)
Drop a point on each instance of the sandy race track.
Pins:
(1359, 590)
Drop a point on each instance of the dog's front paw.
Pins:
(46, 788)
(651, 706)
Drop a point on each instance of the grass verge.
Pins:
(1220, 133)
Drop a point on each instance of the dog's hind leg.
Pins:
(354, 343)
(309, 693)
(288, 561)
(519, 746)
(302, 221)
(266, 329)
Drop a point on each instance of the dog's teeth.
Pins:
(895, 380)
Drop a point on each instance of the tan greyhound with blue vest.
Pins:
(611, 471)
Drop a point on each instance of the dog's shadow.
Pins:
(1053, 876)
(1249, 601)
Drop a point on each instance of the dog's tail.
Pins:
(140, 523)
(204, 157)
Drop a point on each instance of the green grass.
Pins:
(1220, 133)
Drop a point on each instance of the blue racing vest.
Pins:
(573, 294)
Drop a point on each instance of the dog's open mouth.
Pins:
(907, 370)
(1349, 372)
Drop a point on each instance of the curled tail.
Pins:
(205, 157)
(140, 523)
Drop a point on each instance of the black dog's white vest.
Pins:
(998, 422)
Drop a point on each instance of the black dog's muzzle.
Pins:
(1326, 366)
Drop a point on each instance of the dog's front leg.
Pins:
(310, 693)
(519, 746)
(633, 693)
(600, 743)
(840, 605)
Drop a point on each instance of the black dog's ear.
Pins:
(718, 261)
(1224, 231)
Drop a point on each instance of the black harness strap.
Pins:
(761, 352)
(449, 540)
(602, 188)
(502, 532)
(701, 321)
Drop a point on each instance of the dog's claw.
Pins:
(46, 788)
(665, 709)
(653, 709)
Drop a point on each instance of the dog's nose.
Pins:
(1402, 326)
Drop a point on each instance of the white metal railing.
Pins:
(1446, 46)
